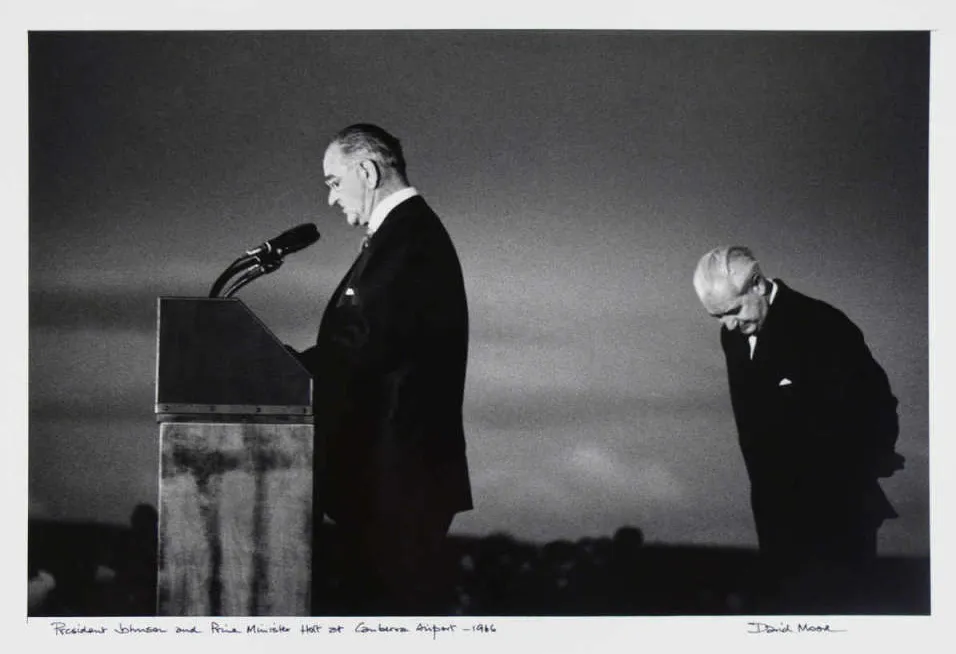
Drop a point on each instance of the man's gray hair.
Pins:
(732, 266)
(369, 141)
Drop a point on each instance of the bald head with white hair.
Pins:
(732, 288)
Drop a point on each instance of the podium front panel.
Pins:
(215, 356)
(235, 519)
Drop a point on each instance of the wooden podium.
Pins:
(236, 444)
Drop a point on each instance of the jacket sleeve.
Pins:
(859, 403)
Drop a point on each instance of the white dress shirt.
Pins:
(752, 339)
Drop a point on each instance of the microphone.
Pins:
(291, 240)
(265, 258)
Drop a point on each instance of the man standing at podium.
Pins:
(389, 369)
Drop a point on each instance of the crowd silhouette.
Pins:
(101, 570)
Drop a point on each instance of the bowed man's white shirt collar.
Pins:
(752, 339)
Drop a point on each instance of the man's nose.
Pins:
(332, 197)
(730, 323)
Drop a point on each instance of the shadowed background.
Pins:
(581, 175)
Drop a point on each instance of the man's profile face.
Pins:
(744, 310)
(346, 186)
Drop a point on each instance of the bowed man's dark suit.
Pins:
(817, 424)
(389, 374)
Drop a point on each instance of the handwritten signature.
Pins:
(787, 628)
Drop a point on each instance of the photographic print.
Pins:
(641, 327)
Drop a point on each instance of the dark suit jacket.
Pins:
(389, 374)
(817, 423)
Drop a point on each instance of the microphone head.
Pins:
(294, 239)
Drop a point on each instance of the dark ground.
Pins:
(105, 570)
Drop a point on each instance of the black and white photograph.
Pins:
(479, 323)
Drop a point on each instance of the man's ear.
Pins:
(761, 286)
(370, 173)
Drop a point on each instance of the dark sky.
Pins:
(581, 175)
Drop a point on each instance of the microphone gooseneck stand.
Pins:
(249, 268)
(264, 259)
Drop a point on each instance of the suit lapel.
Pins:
(770, 336)
(394, 226)
(344, 283)
(737, 347)
(336, 299)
